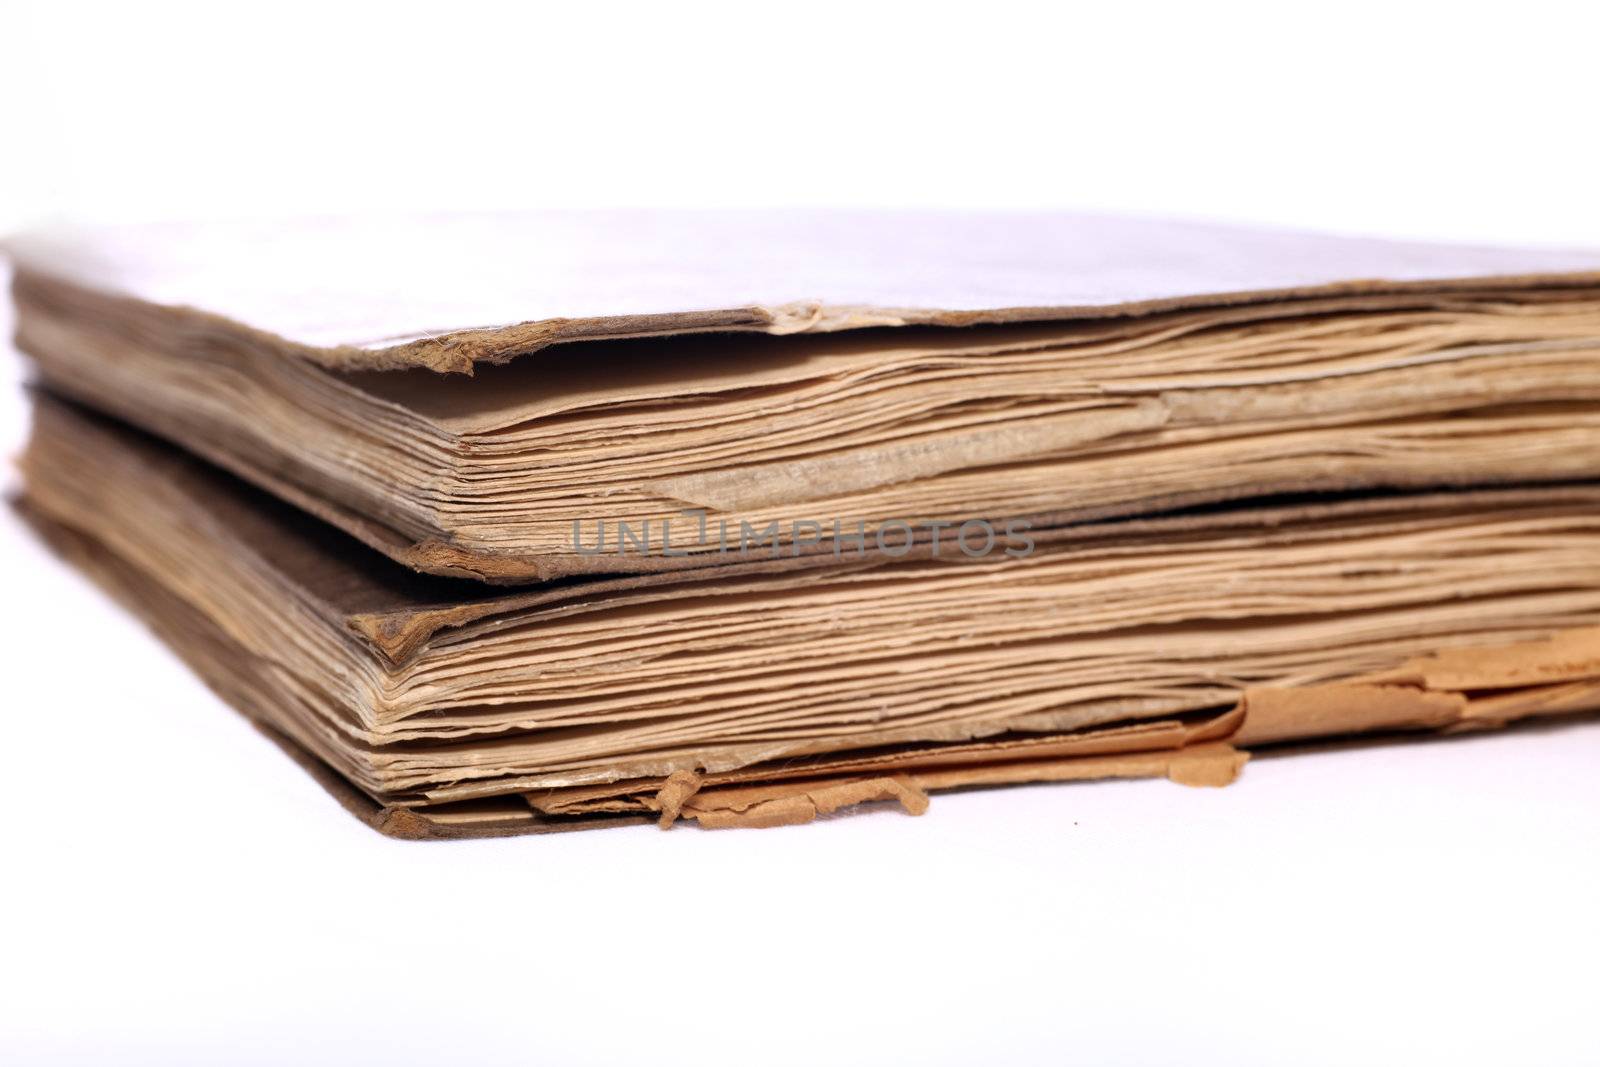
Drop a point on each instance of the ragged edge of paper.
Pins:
(1454, 689)
(792, 806)
(1098, 740)
(398, 634)
(1492, 688)
(504, 817)
(1459, 689)
(1186, 751)
(37, 277)
(793, 803)
(1568, 656)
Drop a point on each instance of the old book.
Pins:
(531, 397)
(770, 691)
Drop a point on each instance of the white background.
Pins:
(174, 890)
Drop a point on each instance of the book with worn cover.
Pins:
(454, 391)
(765, 692)
(523, 523)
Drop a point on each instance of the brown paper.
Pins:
(1041, 369)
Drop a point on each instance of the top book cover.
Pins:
(801, 382)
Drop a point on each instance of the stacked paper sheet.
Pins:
(511, 524)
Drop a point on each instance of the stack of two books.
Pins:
(511, 524)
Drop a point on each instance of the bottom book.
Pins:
(770, 691)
